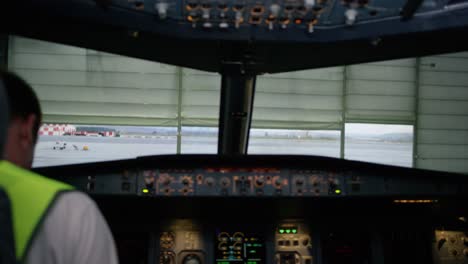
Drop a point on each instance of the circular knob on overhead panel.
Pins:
(209, 182)
(166, 181)
(186, 181)
(278, 182)
(259, 182)
(299, 181)
(225, 182)
(191, 259)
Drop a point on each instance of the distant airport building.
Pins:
(95, 131)
(56, 130)
(70, 130)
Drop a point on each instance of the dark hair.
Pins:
(22, 99)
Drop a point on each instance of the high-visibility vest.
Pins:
(31, 195)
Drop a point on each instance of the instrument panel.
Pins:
(258, 176)
(275, 15)
(196, 209)
(191, 242)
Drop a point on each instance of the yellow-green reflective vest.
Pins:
(31, 195)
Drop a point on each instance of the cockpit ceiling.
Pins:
(265, 36)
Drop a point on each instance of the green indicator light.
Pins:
(145, 190)
(253, 251)
(338, 191)
(288, 231)
(294, 231)
(281, 231)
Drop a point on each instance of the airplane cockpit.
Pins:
(236, 207)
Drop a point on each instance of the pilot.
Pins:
(52, 223)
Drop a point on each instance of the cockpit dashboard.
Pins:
(275, 209)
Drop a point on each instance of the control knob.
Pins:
(186, 181)
(225, 182)
(191, 259)
(278, 182)
(299, 181)
(209, 182)
(259, 182)
(166, 181)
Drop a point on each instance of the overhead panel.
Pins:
(443, 113)
(381, 92)
(84, 86)
(300, 100)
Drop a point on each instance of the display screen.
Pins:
(239, 247)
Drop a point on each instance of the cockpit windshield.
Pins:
(99, 106)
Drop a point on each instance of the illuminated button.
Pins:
(223, 25)
(145, 191)
(207, 25)
(281, 231)
(288, 231)
(294, 231)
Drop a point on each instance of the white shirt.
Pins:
(73, 232)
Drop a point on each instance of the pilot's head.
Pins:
(24, 120)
